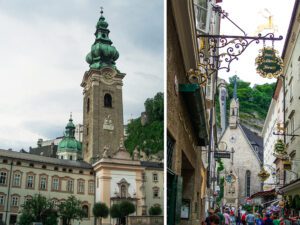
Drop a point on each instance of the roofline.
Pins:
(34, 160)
(293, 17)
(256, 154)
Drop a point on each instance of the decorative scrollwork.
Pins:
(195, 76)
(223, 49)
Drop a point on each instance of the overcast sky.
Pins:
(42, 54)
(249, 15)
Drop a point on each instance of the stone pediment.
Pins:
(122, 154)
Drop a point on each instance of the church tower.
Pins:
(102, 97)
(234, 107)
(69, 148)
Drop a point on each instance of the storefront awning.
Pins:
(264, 194)
(294, 185)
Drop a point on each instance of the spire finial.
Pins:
(70, 115)
(235, 87)
(101, 11)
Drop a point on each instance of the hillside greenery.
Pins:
(149, 137)
(254, 101)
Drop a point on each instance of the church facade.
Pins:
(246, 158)
(99, 168)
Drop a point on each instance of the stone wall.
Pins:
(145, 220)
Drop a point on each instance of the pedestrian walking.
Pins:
(258, 220)
(276, 220)
(210, 213)
(220, 215)
(214, 219)
(268, 220)
(250, 219)
(244, 218)
(227, 217)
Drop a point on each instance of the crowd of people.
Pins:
(230, 216)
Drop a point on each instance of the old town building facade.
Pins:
(99, 168)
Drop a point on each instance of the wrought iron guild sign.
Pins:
(268, 63)
(220, 51)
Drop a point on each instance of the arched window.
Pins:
(88, 105)
(107, 100)
(85, 210)
(248, 183)
(123, 191)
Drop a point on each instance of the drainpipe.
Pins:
(8, 191)
(284, 136)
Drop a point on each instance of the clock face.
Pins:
(232, 138)
(230, 178)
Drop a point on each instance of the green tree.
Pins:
(121, 210)
(155, 107)
(100, 210)
(38, 209)
(115, 212)
(155, 210)
(70, 210)
(150, 136)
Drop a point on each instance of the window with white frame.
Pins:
(202, 15)
(3, 177)
(2, 200)
(70, 185)
(81, 186)
(291, 90)
(43, 183)
(55, 184)
(30, 181)
(15, 200)
(91, 187)
(17, 179)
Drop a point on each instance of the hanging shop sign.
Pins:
(287, 165)
(263, 175)
(269, 64)
(222, 154)
(280, 150)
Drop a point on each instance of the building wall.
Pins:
(274, 116)
(49, 172)
(243, 159)
(179, 125)
(292, 93)
(150, 185)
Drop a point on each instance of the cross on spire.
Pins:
(101, 10)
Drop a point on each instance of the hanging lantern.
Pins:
(269, 64)
(263, 175)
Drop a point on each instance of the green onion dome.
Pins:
(102, 52)
(69, 143)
